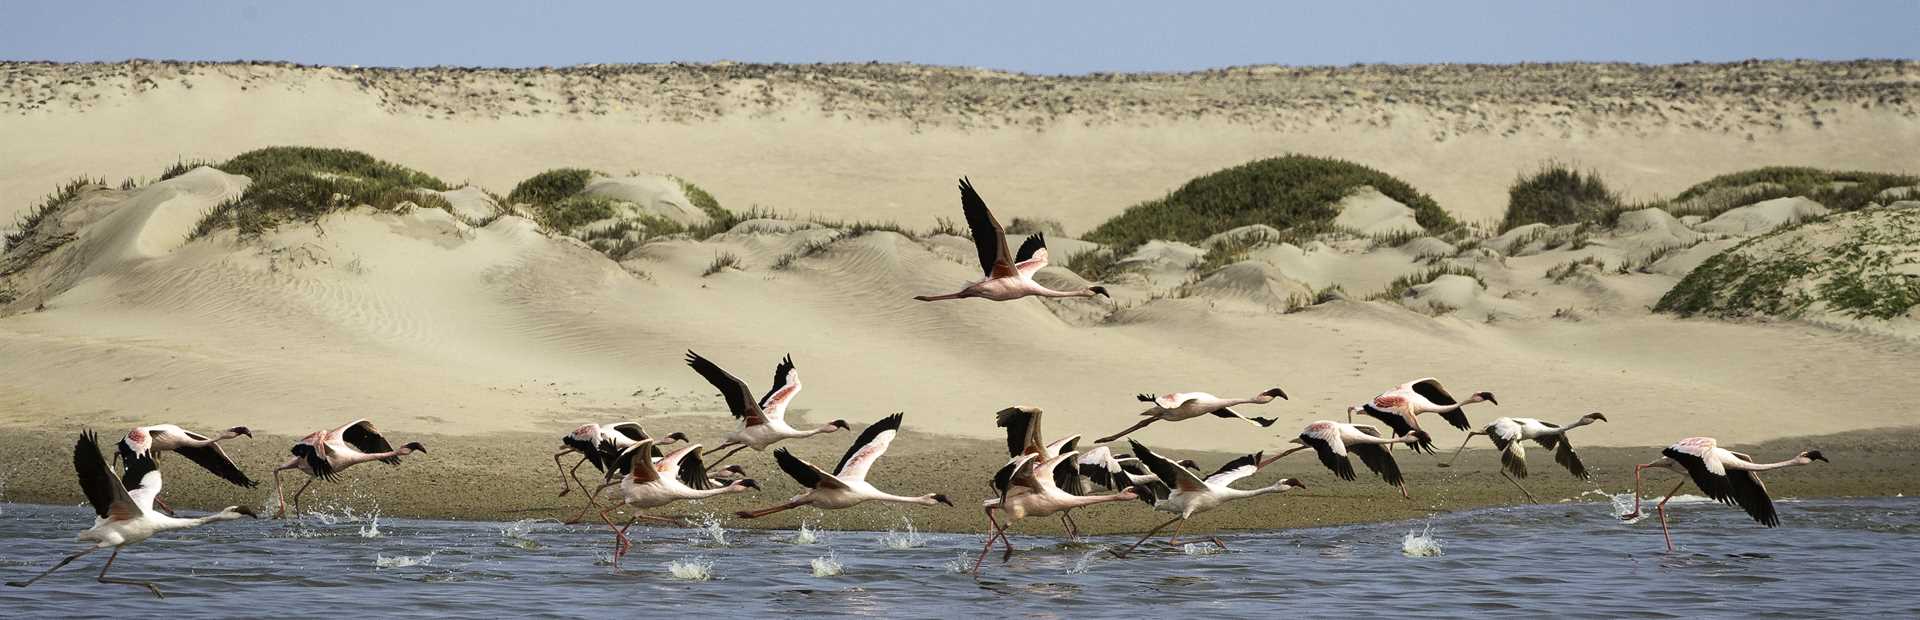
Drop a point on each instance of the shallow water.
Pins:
(1831, 558)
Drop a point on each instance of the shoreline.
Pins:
(510, 476)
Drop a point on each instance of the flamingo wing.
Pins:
(1430, 389)
(1235, 470)
(107, 494)
(786, 385)
(868, 448)
(1325, 440)
(1751, 494)
(1170, 473)
(805, 473)
(630, 430)
(1023, 429)
(739, 398)
(1698, 455)
(989, 239)
(215, 460)
(636, 460)
(363, 437)
(1032, 256)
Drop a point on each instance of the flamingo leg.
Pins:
(1175, 539)
(1073, 528)
(279, 494)
(1130, 429)
(712, 466)
(103, 578)
(63, 562)
(1403, 492)
(1279, 456)
(619, 535)
(591, 494)
(168, 510)
(1636, 492)
(755, 514)
(562, 468)
(1662, 509)
(1216, 542)
(296, 496)
(1462, 448)
(939, 297)
(1156, 529)
(1523, 489)
(994, 531)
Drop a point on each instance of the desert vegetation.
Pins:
(301, 184)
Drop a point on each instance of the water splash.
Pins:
(372, 528)
(1422, 544)
(712, 534)
(1622, 507)
(515, 535)
(827, 566)
(1201, 549)
(403, 561)
(961, 564)
(806, 536)
(1086, 561)
(901, 540)
(694, 569)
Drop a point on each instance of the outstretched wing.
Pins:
(1751, 495)
(107, 494)
(636, 460)
(1032, 256)
(141, 479)
(1325, 440)
(630, 430)
(1023, 429)
(868, 448)
(1564, 455)
(671, 465)
(215, 460)
(739, 398)
(1696, 455)
(1377, 459)
(803, 472)
(362, 436)
(1171, 473)
(989, 239)
(1235, 470)
(1430, 389)
(786, 385)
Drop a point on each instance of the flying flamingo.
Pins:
(1026, 489)
(124, 509)
(1009, 276)
(762, 422)
(847, 486)
(1192, 494)
(1188, 405)
(322, 455)
(1722, 474)
(677, 476)
(1023, 437)
(202, 450)
(599, 444)
(1509, 433)
(1333, 441)
(1400, 407)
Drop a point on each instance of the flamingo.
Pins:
(1023, 437)
(847, 486)
(762, 422)
(1400, 407)
(1509, 433)
(1192, 494)
(1009, 276)
(1724, 475)
(1026, 489)
(1188, 405)
(202, 450)
(600, 444)
(124, 509)
(322, 455)
(1333, 441)
(677, 476)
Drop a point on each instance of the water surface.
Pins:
(1831, 558)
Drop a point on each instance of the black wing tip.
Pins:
(1145, 398)
(1264, 422)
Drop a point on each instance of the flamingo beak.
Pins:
(942, 498)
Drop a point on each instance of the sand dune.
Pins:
(427, 323)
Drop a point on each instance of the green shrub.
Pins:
(1401, 285)
(1858, 264)
(1856, 189)
(703, 200)
(30, 221)
(1294, 194)
(551, 186)
(183, 166)
(1557, 195)
(301, 184)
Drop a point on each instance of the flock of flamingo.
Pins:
(1041, 478)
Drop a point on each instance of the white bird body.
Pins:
(763, 422)
(1400, 408)
(1721, 474)
(151, 440)
(1178, 406)
(599, 444)
(1007, 275)
(847, 485)
(1510, 434)
(1334, 441)
(677, 476)
(322, 455)
(1190, 494)
(124, 515)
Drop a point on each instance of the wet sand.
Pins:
(512, 477)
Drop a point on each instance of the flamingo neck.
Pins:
(924, 500)
(1089, 500)
(1792, 462)
(1047, 292)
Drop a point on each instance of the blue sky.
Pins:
(1041, 37)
